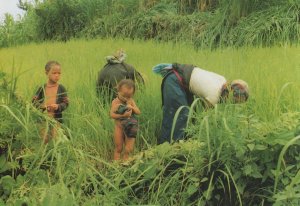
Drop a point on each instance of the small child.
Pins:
(123, 110)
(52, 97)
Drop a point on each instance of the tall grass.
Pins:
(225, 140)
(267, 70)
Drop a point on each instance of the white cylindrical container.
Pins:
(206, 84)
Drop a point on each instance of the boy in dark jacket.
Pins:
(52, 97)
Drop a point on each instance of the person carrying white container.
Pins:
(181, 82)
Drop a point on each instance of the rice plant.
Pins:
(237, 154)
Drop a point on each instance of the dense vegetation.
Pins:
(245, 154)
(203, 23)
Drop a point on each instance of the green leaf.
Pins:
(150, 173)
(3, 164)
(2, 202)
(194, 179)
(256, 174)
(289, 167)
(2, 160)
(241, 187)
(247, 170)
(285, 181)
(204, 179)
(260, 147)
(251, 146)
(192, 188)
(20, 180)
(7, 183)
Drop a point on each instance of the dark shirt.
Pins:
(61, 99)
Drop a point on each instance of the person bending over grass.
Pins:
(51, 98)
(124, 111)
(181, 82)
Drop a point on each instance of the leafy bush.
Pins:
(60, 20)
(250, 161)
(209, 23)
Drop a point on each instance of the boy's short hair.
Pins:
(49, 65)
(126, 82)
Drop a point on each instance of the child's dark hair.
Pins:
(126, 82)
(49, 65)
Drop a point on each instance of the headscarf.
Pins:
(162, 69)
(240, 88)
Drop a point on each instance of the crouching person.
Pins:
(112, 73)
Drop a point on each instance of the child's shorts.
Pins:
(130, 127)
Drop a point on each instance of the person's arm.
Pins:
(38, 99)
(64, 103)
(114, 115)
(132, 105)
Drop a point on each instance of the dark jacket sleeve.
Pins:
(63, 100)
(38, 98)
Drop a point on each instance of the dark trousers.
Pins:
(173, 98)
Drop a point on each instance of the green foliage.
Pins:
(9, 145)
(60, 20)
(203, 23)
(277, 24)
(244, 154)
(14, 33)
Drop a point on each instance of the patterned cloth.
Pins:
(130, 126)
(240, 88)
(121, 109)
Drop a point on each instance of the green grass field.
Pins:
(273, 75)
(265, 69)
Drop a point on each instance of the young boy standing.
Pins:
(52, 97)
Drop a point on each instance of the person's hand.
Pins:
(43, 106)
(128, 113)
(52, 107)
(129, 107)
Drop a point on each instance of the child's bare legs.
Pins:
(54, 130)
(44, 133)
(129, 145)
(118, 139)
(49, 131)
